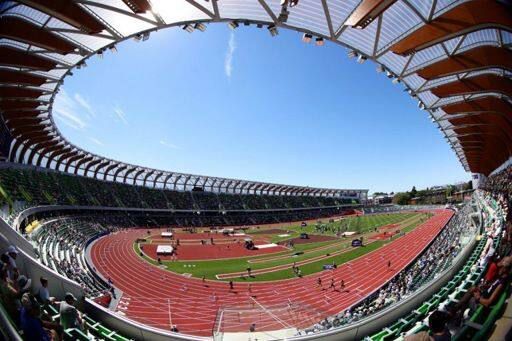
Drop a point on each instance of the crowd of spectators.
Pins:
(436, 258)
(61, 245)
(47, 187)
(496, 262)
(32, 313)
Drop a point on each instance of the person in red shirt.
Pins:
(492, 270)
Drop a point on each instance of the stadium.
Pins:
(95, 248)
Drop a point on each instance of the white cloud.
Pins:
(96, 141)
(168, 144)
(120, 114)
(228, 61)
(80, 100)
(64, 110)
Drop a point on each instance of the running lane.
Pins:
(161, 298)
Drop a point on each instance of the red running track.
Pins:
(160, 298)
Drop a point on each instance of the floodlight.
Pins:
(361, 59)
(233, 25)
(145, 36)
(113, 48)
(100, 54)
(137, 37)
(380, 68)
(259, 25)
(352, 54)
(390, 74)
(306, 38)
(396, 80)
(319, 41)
(189, 28)
(273, 30)
(200, 26)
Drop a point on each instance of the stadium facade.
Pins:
(453, 57)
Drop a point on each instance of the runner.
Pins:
(342, 285)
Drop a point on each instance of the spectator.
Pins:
(30, 322)
(437, 324)
(12, 268)
(9, 294)
(44, 293)
(70, 317)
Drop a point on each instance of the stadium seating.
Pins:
(478, 325)
(36, 187)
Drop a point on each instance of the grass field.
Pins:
(365, 224)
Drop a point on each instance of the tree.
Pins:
(401, 198)
(414, 192)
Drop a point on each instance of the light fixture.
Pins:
(411, 93)
(380, 68)
(100, 54)
(319, 41)
(259, 25)
(189, 28)
(113, 48)
(361, 59)
(421, 105)
(306, 38)
(233, 25)
(145, 36)
(396, 80)
(390, 74)
(137, 37)
(273, 30)
(200, 26)
(352, 54)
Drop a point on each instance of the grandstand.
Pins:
(289, 261)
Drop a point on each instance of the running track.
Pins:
(160, 298)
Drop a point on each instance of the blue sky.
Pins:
(245, 105)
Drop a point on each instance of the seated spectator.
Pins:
(70, 317)
(9, 295)
(30, 321)
(492, 270)
(24, 284)
(44, 293)
(437, 324)
(10, 258)
(486, 294)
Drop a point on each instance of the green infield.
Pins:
(310, 256)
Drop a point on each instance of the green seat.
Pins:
(75, 334)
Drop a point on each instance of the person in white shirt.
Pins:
(44, 293)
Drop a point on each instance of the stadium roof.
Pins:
(453, 57)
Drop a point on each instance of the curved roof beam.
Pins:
(489, 103)
(8, 76)
(18, 92)
(90, 164)
(480, 83)
(16, 58)
(480, 57)
(109, 168)
(77, 157)
(100, 166)
(24, 31)
(64, 157)
(69, 12)
(465, 18)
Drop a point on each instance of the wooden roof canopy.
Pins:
(41, 41)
